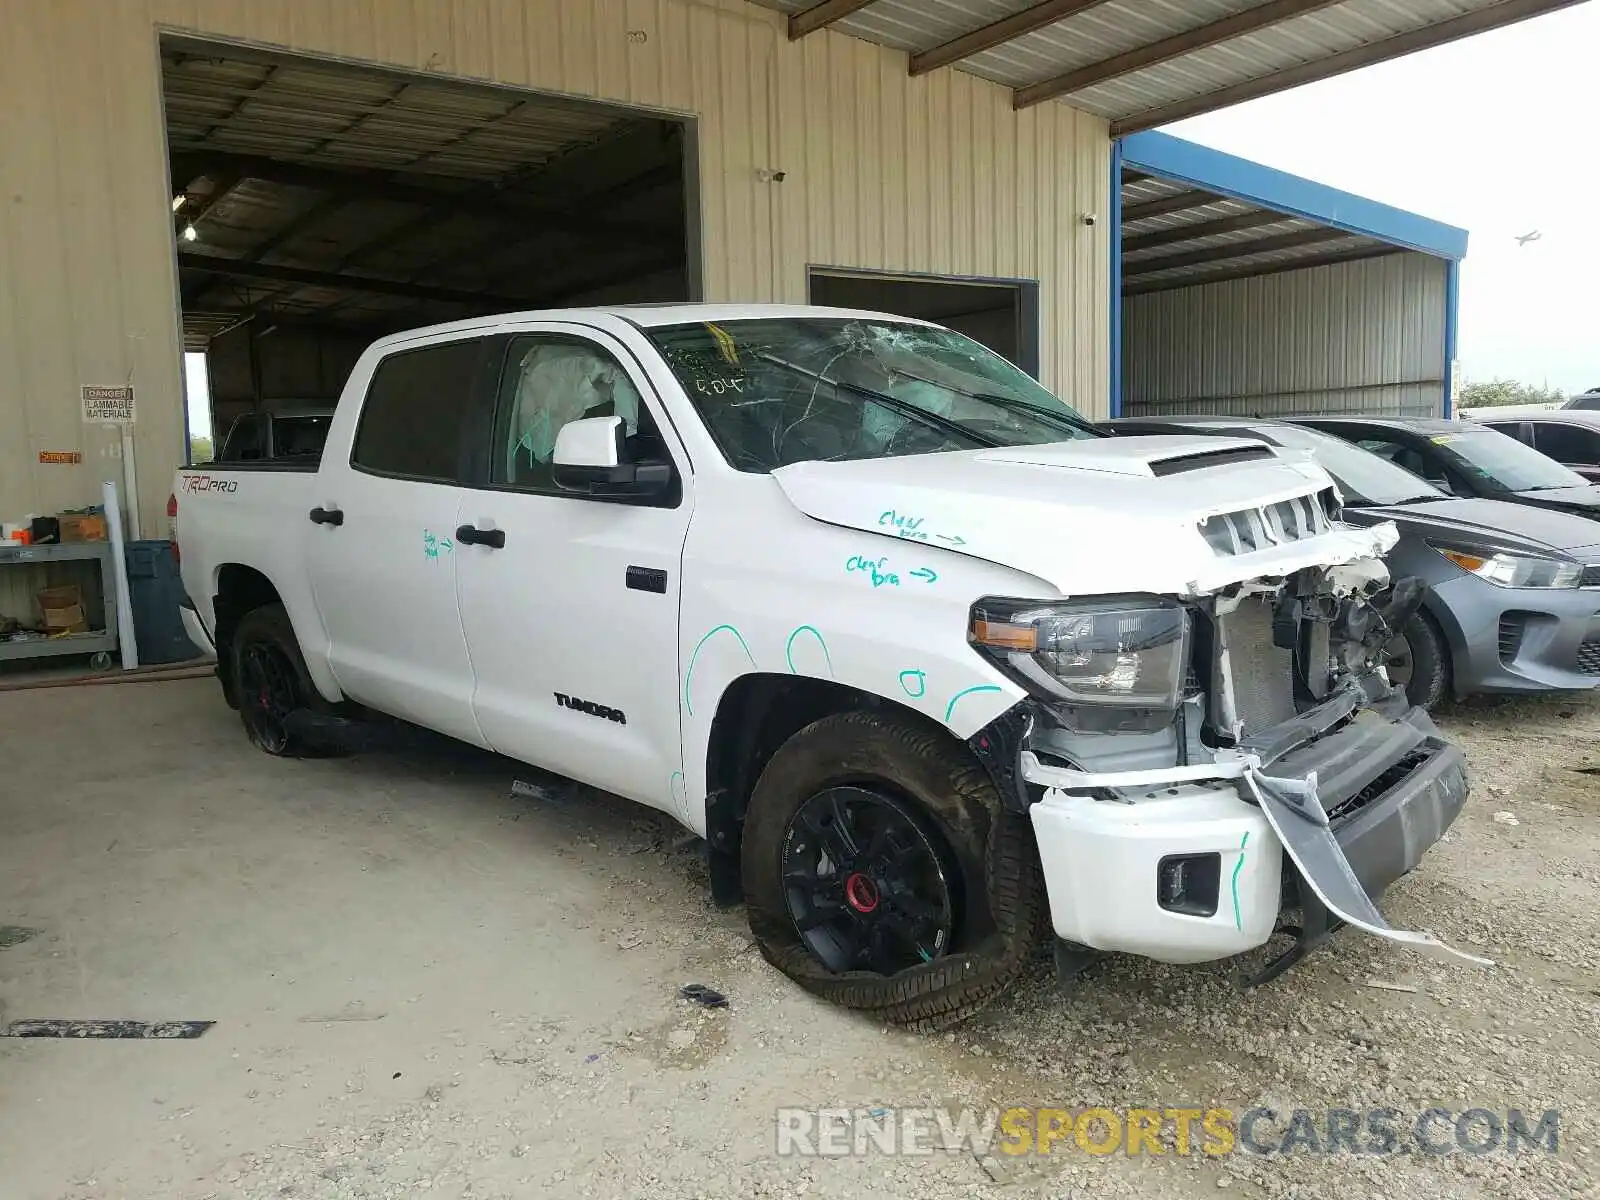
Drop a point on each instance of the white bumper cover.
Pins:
(1100, 862)
(1101, 856)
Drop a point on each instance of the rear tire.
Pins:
(271, 681)
(1427, 661)
(980, 868)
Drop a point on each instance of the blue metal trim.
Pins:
(1452, 312)
(1211, 170)
(1114, 219)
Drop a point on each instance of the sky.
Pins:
(1498, 134)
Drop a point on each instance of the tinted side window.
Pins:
(417, 411)
(548, 381)
(1567, 443)
(1520, 430)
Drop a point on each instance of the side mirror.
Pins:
(591, 458)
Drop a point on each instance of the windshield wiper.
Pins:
(1060, 420)
(893, 403)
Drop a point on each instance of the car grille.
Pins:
(1590, 576)
(1252, 529)
(1589, 657)
(1511, 630)
(1388, 779)
(1262, 674)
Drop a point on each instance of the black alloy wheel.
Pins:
(268, 693)
(866, 882)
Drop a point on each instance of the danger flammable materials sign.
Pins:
(108, 403)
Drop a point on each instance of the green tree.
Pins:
(200, 450)
(1496, 392)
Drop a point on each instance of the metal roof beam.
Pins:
(1508, 12)
(1211, 254)
(380, 187)
(1201, 229)
(1354, 254)
(1238, 25)
(234, 269)
(1037, 16)
(809, 20)
(1163, 206)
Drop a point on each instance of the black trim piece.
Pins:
(647, 579)
(1209, 458)
(999, 746)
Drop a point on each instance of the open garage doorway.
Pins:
(318, 205)
(1003, 314)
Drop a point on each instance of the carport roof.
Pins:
(1144, 63)
(1192, 215)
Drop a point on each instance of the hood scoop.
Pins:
(1179, 463)
(1135, 457)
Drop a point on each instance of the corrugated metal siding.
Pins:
(1349, 338)
(883, 172)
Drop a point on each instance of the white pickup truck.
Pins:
(933, 666)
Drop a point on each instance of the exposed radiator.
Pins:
(1261, 673)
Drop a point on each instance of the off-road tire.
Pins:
(269, 626)
(1004, 913)
(1430, 661)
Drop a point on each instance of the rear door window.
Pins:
(1567, 443)
(419, 414)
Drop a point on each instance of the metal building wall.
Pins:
(1365, 336)
(882, 171)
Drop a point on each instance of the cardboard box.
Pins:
(83, 527)
(61, 609)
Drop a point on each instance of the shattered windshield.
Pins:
(794, 389)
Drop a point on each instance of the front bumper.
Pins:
(1356, 809)
(1518, 639)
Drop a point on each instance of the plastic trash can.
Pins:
(156, 592)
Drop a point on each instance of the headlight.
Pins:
(1126, 655)
(1516, 570)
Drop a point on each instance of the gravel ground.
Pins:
(541, 1050)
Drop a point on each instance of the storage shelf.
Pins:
(93, 641)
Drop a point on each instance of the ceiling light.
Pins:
(179, 201)
(190, 234)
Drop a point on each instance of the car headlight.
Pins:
(1516, 570)
(1130, 656)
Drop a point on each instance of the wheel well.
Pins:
(240, 590)
(756, 715)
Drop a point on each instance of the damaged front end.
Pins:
(1200, 768)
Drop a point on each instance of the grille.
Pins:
(1589, 657)
(1511, 630)
(1591, 576)
(1380, 785)
(1254, 529)
(1262, 673)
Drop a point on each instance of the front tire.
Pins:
(1418, 661)
(271, 681)
(919, 893)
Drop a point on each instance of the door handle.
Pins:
(471, 535)
(327, 516)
